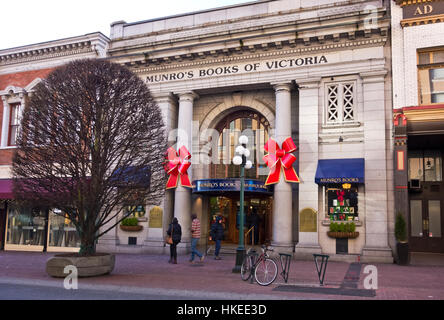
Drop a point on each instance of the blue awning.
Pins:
(340, 171)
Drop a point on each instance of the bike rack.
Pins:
(254, 255)
(285, 260)
(323, 267)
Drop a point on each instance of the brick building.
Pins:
(21, 69)
(418, 101)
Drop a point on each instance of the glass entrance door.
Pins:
(257, 212)
(426, 225)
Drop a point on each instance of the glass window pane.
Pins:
(416, 165)
(435, 218)
(424, 58)
(437, 85)
(438, 56)
(26, 226)
(416, 218)
(432, 166)
(62, 232)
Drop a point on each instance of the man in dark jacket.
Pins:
(175, 231)
(217, 235)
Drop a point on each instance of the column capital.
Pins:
(187, 96)
(164, 97)
(309, 83)
(373, 76)
(282, 86)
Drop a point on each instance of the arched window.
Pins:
(251, 124)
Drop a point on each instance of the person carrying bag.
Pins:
(174, 236)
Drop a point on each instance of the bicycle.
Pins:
(263, 268)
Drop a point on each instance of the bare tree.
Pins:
(91, 143)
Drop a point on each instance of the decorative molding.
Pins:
(403, 3)
(47, 53)
(262, 55)
(423, 20)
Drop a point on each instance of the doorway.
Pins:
(229, 208)
(426, 225)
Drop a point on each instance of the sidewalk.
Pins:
(139, 272)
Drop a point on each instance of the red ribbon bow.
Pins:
(278, 159)
(177, 166)
(340, 195)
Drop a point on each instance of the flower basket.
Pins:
(341, 235)
(131, 228)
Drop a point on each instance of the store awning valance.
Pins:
(340, 171)
(6, 189)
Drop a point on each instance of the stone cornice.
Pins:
(95, 42)
(285, 26)
(166, 64)
(423, 20)
(404, 3)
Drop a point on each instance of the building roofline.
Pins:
(194, 12)
(40, 45)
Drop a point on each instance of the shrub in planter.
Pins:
(343, 230)
(130, 224)
(402, 245)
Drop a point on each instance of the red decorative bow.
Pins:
(340, 195)
(176, 166)
(278, 159)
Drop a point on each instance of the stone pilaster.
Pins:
(376, 202)
(309, 106)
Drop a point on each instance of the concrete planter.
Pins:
(92, 266)
(341, 235)
(131, 228)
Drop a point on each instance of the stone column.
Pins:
(182, 196)
(282, 204)
(5, 123)
(376, 189)
(309, 108)
(154, 241)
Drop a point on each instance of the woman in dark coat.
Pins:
(217, 235)
(175, 231)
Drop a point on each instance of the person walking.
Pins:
(175, 232)
(195, 236)
(217, 235)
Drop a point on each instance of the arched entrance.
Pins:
(223, 187)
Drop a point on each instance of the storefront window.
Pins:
(247, 123)
(137, 211)
(342, 203)
(431, 76)
(26, 226)
(62, 232)
(425, 165)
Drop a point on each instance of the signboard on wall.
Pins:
(156, 214)
(422, 10)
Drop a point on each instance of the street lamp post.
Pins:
(241, 160)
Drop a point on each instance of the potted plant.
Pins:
(131, 225)
(343, 230)
(402, 246)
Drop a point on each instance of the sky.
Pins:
(35, 21)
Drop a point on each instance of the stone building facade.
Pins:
(324, 81)
(318, 72)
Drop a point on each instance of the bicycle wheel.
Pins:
(247, 264)
(266, 272)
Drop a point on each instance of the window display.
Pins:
(342, 203)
